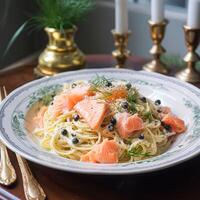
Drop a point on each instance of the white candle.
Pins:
(121, 16)
(157, 11)
(193, 19)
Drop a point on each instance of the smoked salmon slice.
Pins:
(177, 124)
(78, 93)
(118, 93)
(92, 111)
(66, 101)
(164, 110)
(107, 152)
(61, 103)
(128, 125)
(38, 119)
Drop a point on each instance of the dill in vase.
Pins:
(60, 19)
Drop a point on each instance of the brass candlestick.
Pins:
(121, 53)
(157, 35)
(192, 38)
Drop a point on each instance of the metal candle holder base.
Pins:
(190, 74)
(121, 53)
(157, 35)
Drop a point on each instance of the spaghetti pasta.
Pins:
(72, 137)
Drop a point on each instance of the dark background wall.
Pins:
(13, 13)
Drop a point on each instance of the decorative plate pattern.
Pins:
(182, 97)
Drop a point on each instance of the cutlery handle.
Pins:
(7, 171)
(32, 189)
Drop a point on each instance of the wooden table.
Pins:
(179, 182)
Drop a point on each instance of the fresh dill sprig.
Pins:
(148, 115)
(132, 100)
(136, 152)
(62, 14)
(105, 94)
(132, 97)
(100, 81)
(172, 61)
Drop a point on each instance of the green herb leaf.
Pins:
(172, 61)
(98, 84)
(132, 97)
(15, 36)
(100, 81)
(62, 14)
(137, 152)
(132, 100)
(148, 115)
(105, 94)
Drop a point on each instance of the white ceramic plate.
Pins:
(183, 98)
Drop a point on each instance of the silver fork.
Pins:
(32, 189)
(7, 171)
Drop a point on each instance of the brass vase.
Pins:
(61, 53)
